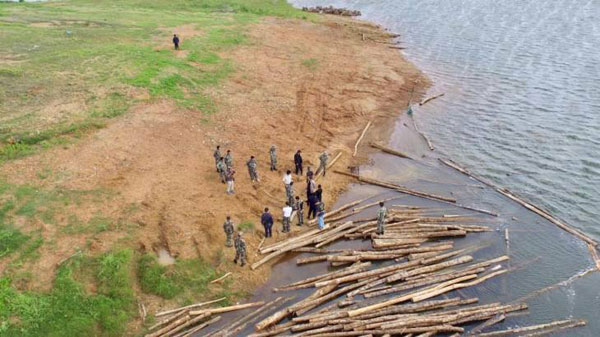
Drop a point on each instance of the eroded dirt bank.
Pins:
(297, 85)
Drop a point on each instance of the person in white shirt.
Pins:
(287, 217)
(287, 178)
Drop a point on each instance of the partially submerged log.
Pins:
(360, 138)
(390, 151)
(431, 98)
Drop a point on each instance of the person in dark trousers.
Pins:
(176, 41)
(312, 206)
(319, 193)
(298, 162)
(266, 219)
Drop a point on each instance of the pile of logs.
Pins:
(396, 287)
(186, 321)
(332, 10)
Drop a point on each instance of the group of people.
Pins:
(294, 205)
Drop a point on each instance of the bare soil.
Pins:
(297, 85)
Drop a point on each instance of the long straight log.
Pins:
(280, 244)
(171, 326)
(242, 322)
(338, 273)
(192, 331)
(527, 328)
(190, 322)
(390, 151)
(437, 292)
(431, 98)
(404, 274)
(226, 309)
(396, 187)
(558, 328)
(362, 135)
(197, 305)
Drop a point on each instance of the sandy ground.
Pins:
(297, 85)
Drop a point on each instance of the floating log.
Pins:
(396, 187)
(494, 320)
(429, 144)
(539, 211)
(172, 325)
(390, 151)
(362, 135)
(431, 99)
(530, 328)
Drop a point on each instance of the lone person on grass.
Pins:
(228, 228)
(266, 219)
(273, 156)
(381, 214)
(240, 249)
(176, 41)
(298, 162)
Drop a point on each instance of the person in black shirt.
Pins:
(176, 41)
(319, 193)
(267, 221)
(298, 162)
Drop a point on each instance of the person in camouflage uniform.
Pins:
(240, 249)
(299, 206)
(217, 155)
(252, 167)
(229, 159)
(273, 156)
(323, 159)
(289, 193)
(228, 228)
(222, 169)
(381, 214)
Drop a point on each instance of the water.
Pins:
(522, 84)
(521, 108)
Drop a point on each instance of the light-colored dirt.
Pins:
(297, 85)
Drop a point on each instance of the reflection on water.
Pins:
(522, 84)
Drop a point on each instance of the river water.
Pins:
(522, 91)
(521, 108)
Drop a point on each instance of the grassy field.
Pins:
(66, 69)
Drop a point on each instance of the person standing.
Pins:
(287, 215)
(298, 162)
(273, 156)
(321, 215)
(240, 249)
(309, 174)
(319, 193)
(312, 206)
(218, 157)
(323, 158)
(229, 159)
(287, 178)
(300, 210)
(230, 179)
(176, 41)
(252, 169)
(228, 228)
(266, 219)
(381, 215)
(311, 187)
(222, 169)
(289, 193)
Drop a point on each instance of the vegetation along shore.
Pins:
(107, 135)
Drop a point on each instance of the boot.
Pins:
(235, 261)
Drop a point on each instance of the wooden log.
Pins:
(220, 278)
(404, 274)
(431, 98)
(243, 321)
(396, 187)
(280, 244)
(390, 151)
(362, 135)
(274, 331)
(418, 307)
(494, 320)
(197, 305)
(594, 253)
(172, 325)
(327, 276)
(226, 309)
(193, 330)
(177, 315)
(522, 202)
(189, 322)
(529, 328)
(311, 259)
(558, 328)
(383, 243)
(429, 144)
(437, 292)
(468, 267)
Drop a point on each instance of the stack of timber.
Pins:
(332, 10)
(186, 321)
(398, 286)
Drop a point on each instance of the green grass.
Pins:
(186, 278)
(246, 226)
(311, 63)
(91, 52)
(68, 309)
